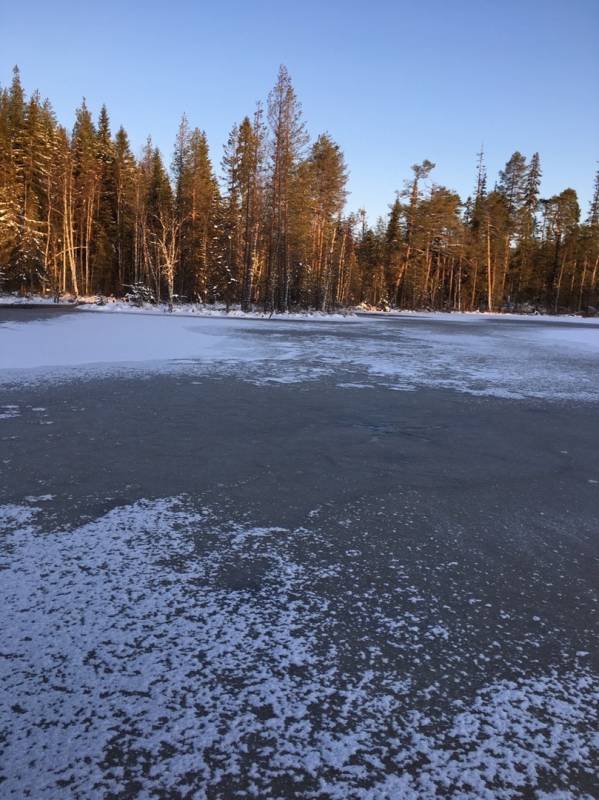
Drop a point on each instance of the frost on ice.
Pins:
(165, 651)
(510, 359)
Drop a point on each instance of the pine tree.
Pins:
(80, 212)
(66, 199)
(562, 214)
(588, 290)
(512, 186)
(412, 268)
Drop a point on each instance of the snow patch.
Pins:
(160, 646)
(511, 361)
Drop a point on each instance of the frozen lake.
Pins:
(266, 559)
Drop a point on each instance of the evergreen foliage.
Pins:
(80, 214)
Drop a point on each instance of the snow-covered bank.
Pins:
(35, 300)
(474, 316)
(114, 305)
(214, 310)
(220, 310)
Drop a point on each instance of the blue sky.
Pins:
(392, 82)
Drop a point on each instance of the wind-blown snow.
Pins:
(164, 650)
(511, 359)
(78, 339)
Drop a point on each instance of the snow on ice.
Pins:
(162, 647)
(484, 356)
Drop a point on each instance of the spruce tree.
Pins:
(289, 139)
(328, 178)
(512, 183)
(593, 218)
(80, 213)
(86, 181)
(393, 251)
(242, 169)
(104, 253)
(12, 190)
(123, 183)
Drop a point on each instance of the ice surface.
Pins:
(511, 360)
(161, 646)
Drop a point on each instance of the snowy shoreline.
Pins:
(111, 305)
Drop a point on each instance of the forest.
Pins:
(80, 214)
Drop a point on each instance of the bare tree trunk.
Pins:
(489, 271)
(68, 243)
(558, 286)
(594, 275)
(506, 266)
(582, 280)
(474, 283)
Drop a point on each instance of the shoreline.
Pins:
(220, 311)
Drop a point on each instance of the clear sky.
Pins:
(393, 81)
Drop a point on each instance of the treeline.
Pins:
(80, 214)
